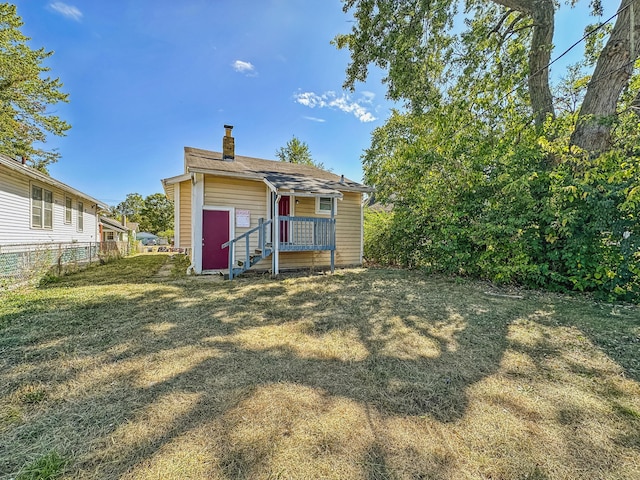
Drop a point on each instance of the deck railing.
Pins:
(295, 234)
(306, 233)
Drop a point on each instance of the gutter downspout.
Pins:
(333, 233)
(276, 236)
(362, 204)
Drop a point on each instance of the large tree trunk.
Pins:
(543, 14)
(539, 58)
(610, 77)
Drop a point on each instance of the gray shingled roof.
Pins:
(113, 224)
(283, 175)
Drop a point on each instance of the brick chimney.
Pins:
(228, 144)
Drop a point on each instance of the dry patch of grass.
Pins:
(117, 372)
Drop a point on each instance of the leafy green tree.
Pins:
(168, 234)
(110, 211)
(296, 151)
(25, 95)
(481, 183)
(132, 207)
(508, 42)
(157, 213)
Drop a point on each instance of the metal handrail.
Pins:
(261, 229)
(298, 234)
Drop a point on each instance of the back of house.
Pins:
(271, 214)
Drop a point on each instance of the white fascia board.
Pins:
(224, 173)
(271, 186)
(337, 195)
(180, 178)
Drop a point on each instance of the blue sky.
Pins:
(147, 78)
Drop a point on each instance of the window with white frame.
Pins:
(109, 236)
(68, 210)
(41, 207)
(323, 206)
(80, 221)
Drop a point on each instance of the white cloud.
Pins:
(312, 100)
(244, 67)
(68, 11)
(344, 102)
(368, 97)
(315, 119)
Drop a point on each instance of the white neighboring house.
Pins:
(38, 209)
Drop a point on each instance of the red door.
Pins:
(283, 210)
(215, 232)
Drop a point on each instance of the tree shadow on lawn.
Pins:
(213, 347)
(615, 329)
(114, 354)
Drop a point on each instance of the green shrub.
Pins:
(531, 212)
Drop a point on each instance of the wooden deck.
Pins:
(295, 234)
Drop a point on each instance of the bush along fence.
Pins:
(23, 263)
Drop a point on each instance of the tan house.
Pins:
(249, 212)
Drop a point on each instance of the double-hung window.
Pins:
(41, 207)
(323, 206)
(68, 210)
(80, 222)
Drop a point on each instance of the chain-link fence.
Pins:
(22, 263)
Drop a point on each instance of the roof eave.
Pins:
(177, 179)
(361, 189)
(224, 173)
(262, 177)
(41, 177)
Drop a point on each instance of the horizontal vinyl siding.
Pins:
(240, 194)
(15, 219)
(185, 215)
(349, 229)
(348, 234)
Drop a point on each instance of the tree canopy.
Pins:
(157, 213)
(131, 207)
(296, 151)
(25, 95)
(500, 43)
(153, 213)
(494, 171)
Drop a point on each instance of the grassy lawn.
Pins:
(119, 372)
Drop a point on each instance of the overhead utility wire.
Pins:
(584, 37)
